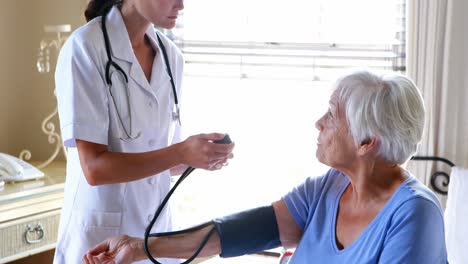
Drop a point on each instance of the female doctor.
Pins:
(118, 82)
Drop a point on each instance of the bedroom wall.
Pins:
(26, 95)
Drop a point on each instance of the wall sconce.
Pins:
(43, 57)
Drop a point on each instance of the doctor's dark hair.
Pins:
(97, 8)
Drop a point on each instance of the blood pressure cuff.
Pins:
(248, 232)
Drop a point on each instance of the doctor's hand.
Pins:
(199, 151)
(116, 250)
(218, 164)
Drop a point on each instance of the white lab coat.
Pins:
(92, 214)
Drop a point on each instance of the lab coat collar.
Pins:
(122, 47)
(118, 36)
(153, 37)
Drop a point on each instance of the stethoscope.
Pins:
(110, 63)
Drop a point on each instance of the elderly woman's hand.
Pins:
(116, 250)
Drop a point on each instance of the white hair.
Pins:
(388, 107)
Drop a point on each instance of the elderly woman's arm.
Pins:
(290, 233)
(125, 249)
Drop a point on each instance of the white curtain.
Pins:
(438, 63)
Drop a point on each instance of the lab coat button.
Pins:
(150, 217)
(152, 180)
(151, 142)
(150, 104)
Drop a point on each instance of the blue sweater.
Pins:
(408, 229)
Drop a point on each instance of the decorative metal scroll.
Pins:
(439, 179)
(48, 127)
(43, 66)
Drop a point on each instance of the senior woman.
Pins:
(366, 209)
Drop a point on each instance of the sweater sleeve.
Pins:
(302, 200)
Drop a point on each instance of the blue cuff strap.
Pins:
(248, 232)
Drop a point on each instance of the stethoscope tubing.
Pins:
(185, 174)
(148, 233)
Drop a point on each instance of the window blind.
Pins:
(317, 58)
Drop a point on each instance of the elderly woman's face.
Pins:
(335, 146)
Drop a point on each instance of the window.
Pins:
(262, 71)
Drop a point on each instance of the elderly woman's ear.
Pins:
(368, 146)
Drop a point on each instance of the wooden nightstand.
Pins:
(30, 213)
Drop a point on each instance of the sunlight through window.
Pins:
(263, 71)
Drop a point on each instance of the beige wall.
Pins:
(27, 96)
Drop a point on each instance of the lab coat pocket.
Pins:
(85, 230)
(100, 226)
(100, 219)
